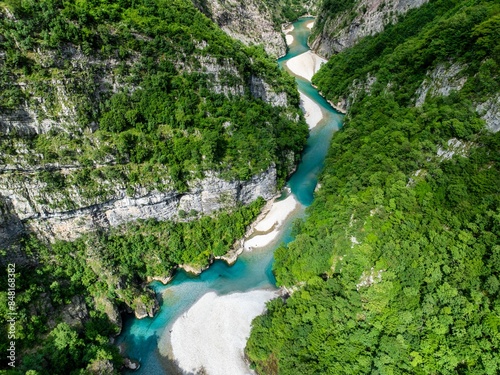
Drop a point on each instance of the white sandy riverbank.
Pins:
(269, 227)
(288, 28)
(212, 334)
(310, 25)
(312, 111)
(289, 39)
(305, 65)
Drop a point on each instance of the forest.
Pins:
(164, 108)
(106, 269)
(161, 96)
(396, 268)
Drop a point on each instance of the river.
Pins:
(140, 339)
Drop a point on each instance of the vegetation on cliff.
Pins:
(396, 269)
(107, 269)
(290, 10)
(160, 82)
(147, 94)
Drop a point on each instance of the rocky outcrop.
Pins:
(222, 74)
(52, 104)
(101, 367)
(75, 313)
(441, 81)
(251, 22)
(369, 278)
(255, 22)
(358, 86)
(131, 364)
(11, 229)
(262, 90)
(452, 147)
(104, 305)
(490, 112)
(34, 207)
(341, 30)
(446, 78)
(145, 305)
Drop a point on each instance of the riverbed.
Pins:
(204, 320)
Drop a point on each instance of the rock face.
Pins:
(444, 79)
(31, 207)
(52, 104)
(146, 305)
(110, 309)
(76, 312)
(341, 30)
(50, 109)
(11, 228)
(490, 112)
(358, 86)
(251, 22)
(262, 90)
(441, 82)
(101, 367)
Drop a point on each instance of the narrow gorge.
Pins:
(203, 322)
(176, 201)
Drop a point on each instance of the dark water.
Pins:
(139, 339)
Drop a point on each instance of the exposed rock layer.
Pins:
(251, 22)
(31, 207)
(343, 29)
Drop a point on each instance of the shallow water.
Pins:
(139, 338)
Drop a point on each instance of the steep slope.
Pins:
(397, 267)
(93, 101)
(256, 21)
(135, 136)
(341, 24)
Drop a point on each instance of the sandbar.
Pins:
(271, 224)
(213, 333)
(312, 111)
(305, 65)
(289, 39)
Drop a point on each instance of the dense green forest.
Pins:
(160, 96)
(107, 268)
(289, 10)
(163, 109)
(396, 269)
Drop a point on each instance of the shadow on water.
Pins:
(147, 340)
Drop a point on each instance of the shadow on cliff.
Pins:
(12, 231)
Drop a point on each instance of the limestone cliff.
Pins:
(63, 172)
(251, 22)
(256, 21)
(341, 25)
(452, 77)
(442, 80)
(32, 207)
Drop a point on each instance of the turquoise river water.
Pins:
(253, 270)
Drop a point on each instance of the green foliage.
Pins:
(286, 10)
(330, 9)
(151, 112)
(395, 269)
(110, 266)
(165, 109)
(404, 52)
